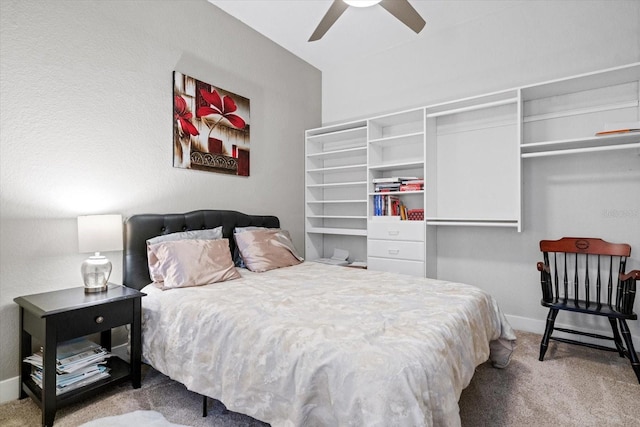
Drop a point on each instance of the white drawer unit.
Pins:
(396, 249)
(397, 246)
(412, 268)
(397, 230)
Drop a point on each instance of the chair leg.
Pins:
(616, 336)
(204, 406)
(551, 320)
(633, 356)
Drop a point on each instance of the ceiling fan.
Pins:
(401, 9)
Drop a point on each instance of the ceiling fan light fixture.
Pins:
(362, 3)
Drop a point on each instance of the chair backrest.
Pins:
(585, 272)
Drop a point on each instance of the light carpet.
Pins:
(574, 386)
(135, 418)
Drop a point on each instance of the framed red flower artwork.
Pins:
(211, 129)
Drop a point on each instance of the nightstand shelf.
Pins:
(54, 317)
(119, 372)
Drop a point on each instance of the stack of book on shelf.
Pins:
(412, 185)
(78, 363)
(388, 207)
(389, 184)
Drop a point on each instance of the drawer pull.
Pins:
(394, 232)
(99, 319)
(394, 251)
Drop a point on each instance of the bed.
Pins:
(313, 344)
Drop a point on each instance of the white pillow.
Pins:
(208, 234)
(184, 263)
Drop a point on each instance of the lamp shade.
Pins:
(99, 233)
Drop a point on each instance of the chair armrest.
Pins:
(634, 274)
(627, 291)
(545, 281)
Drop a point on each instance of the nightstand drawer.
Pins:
(396, 249)
(397, 230)
(94, 319)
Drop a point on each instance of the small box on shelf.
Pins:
(415, 214)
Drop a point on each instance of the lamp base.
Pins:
(91, 290)
(95, 273)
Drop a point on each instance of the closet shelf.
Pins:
(386, 193)
(476, 222)
(581, 145)
(337, 153)
(338, 133)
(397, 166)
(337, 216)
(395, 138)
(338, 184)
(338, 231)
(473, 107)
(338, 168)
(310, 202)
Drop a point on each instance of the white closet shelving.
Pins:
(397, 150)
(469, 152)
(336, 189)
(563, 116)
(473, 165)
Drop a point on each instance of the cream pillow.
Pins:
(184, 263)
(266, 249)
(237, 258)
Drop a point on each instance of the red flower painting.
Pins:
(182, 114)
(224, 107)
(211, 127)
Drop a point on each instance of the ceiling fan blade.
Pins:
(337, 8)
(403, 10)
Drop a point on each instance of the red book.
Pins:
(411, 187)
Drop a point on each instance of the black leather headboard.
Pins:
(139, 228)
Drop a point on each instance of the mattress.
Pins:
(321, 345)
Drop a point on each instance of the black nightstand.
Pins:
(54, 317)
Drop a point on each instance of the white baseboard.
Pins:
(9, 389)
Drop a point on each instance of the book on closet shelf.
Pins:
(419, 181)
(386, 205)
(620, 127)
(393, 179)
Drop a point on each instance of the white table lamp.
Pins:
(98, 233)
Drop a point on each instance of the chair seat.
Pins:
(580, 306)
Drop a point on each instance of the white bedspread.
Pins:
(319, 345)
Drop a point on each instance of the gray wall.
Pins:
(518, 43)
(86, 101)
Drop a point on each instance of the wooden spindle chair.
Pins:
(587, 275)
